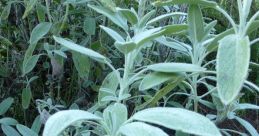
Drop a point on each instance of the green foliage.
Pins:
(125, 67)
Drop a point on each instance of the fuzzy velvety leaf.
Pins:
(62, 119)
(178, 119)
(205, 3)
(26, 97)
(25, 131)
(154, 79)
(9, 131)
(232, 66)
(39, 31)
(195, 21)
(116, 36)
(112, 15)
(108, 88)
(129, 15)
(114, 116)
(175, 67)
(82, 64)
(8, 121)
(89, 25)
(5, 105)
(30, 63)
(75, 47)
(141, 129)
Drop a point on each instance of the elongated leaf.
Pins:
(5, 105)
(113, 16)
(161, 93)
(213, 45)
(174, 44)
(206, 3)
(41, 12)
(113, 34)
(147, 36)
(129, 15)
(39, 31)
(248, 126)
(26, 97)
(232, 66)
(125, 47)
(114, 116)
(9, 131)
(25, 131)
(178, 119)
(175, 67)
(75, 47)
(141, 129)
(174, 29)
(195, 21)
(61, 120)
(154, 79)
(165, 16)
(30, 63)
(36, 125)
(108, 88)
(143, 21)
(90, 25)
(29, 6)
(82, 64)
(8, 121)
(245, 106)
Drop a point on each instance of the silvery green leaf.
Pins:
(82, 64)
(26, 97)
(114, 116)
(248, 126)
(175, 67)
(125, 47)
(154, 79)
(8, 121)
(205, 3)
(232, 66)
(30, 63)
(113, 16)
(5, 105)
(141, 129)
(9, 131)
(39, 31)
(75, 47)
(178, 119)
(147, 36)
(213, 45)
(165, 16)
(89, 25)
(113, 34)
(25, 131)
(129, 15)
(63, 119)
(195, 21)
(245, 106)
(36, 125)
(143, 21)
(174, 44)
(109, 87)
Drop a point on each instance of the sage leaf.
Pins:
(25, 131)
(5, 105)
(178, 119)
(9, 131)
(175, 67)
(75, 47)
(232, 66)
(141, 129)
(61, 120)
(26, 97)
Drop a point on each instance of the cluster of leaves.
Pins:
(145, 67)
